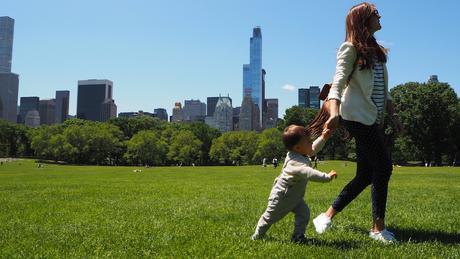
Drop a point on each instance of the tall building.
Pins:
(309, 97)
(62, 106)
(9, 82)
(252, 72)
(211, 105)
(433, 79)
(249, 115)
(223, 115)
(93, 96)
(194, 110)
(236, 118)
(161, 113)
(304, 97)
(32, 119)
(177, 113)
(27, 104)
(271, 117)
(46, 110)
(108, 110)
(6, 43)
(314, 97)
(9, 85)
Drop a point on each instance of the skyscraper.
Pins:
(252, 72)
(47, 111)
(304, 97)
(194, 110)
(27, 104)
(271, 117)
(211, 104)
(309, 97)
(433, 79)
(62, 106)
(177, 113)
(6, 43)
(9, 82)
(249, 119)
(161, 113)
(93, 96)
(223, 115)
(314, 97)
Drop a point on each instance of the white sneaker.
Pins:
(256, 236)
(383, 236)
(322, 223)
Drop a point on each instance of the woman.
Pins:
(359, 94)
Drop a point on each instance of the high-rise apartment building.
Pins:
(9, 82)
(46, 110)
(62, 106)
(177, 113)
(27, 104)
(194, 110)
(94, 100)
(252, 72)
(161, 114)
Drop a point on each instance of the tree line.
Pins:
(429, 112)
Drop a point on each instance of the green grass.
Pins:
(88, 211)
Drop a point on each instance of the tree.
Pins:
(146, 147)
(235, 146)
(427, 112)
(185, 147)
(206, 135)
(270, 145)
(298, 116)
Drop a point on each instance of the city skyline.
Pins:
(200, 51)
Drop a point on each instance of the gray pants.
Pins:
(280, 203)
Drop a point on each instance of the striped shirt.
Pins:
(378, 93)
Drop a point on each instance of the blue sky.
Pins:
(159, 52)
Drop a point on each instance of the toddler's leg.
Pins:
(302, 216)
(275, 211)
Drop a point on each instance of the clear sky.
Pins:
(159, 52)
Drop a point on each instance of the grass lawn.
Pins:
(89, 211)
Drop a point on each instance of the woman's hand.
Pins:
(333, 122)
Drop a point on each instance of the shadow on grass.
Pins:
(411, 235)
(313, 242)
(420, 236)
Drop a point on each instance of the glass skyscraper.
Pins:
(9, 82)
(252, 72)
(6, 43)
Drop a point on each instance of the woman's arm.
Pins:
(346, 58)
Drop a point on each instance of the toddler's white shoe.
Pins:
(322, 223)
(383, 236)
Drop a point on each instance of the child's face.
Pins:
(304, 146)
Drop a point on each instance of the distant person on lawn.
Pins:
(289, 187)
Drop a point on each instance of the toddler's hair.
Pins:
(293, 134)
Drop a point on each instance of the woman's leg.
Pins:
(363, 170)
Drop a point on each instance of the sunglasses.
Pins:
(376, 13)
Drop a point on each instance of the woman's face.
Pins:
(374, 22)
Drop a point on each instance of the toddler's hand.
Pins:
(332, 174)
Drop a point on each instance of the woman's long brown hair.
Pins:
(357, 32)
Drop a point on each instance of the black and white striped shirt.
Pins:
(378, 93)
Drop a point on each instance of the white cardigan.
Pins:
(356, 103)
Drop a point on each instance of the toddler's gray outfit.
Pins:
(288, 191)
